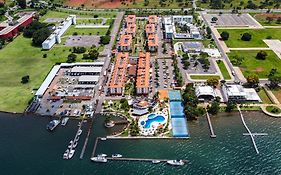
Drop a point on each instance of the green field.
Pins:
(251, 65)
(203, 77)
(264, 97)
(20, 58)
(273, 109)
(223, 70)
(85, 31)
(258, 35)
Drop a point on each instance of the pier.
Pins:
(95, 146)
(140, 159)
(213, 135)
(255, 134)
(251, 135)
(86, 140)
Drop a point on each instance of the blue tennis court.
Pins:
(179, 127)
(175, 95)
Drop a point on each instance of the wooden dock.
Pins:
(95, 146)
(213, 135)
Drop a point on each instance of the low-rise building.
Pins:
(130, 19)
(119, 74)
(192, 47)
(169, 31)
(152, 19)
(152, 43)
(143, 74)
(205, 93)
(131, 30)
(150, 29)
(194, 32)
(9, 29)
(238, 93)
(125, 43)
(185, 19)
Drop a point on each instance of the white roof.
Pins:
(169, 29)
(235, 90)
(88, 78)
(86, 69)
(95, 64)
(213, 52)
(167, 20)
(252, 95)
(47, 81)
(204, 90)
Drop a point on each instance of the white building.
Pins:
(194, 32)
(55, 37)
(205, 93)
(238, 93)
(214, 53)
(186, 19)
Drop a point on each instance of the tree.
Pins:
(269, 19)
(213, 81)
(237, 60)
(22, 3)
(246, 36)
(274, 81)
(25, 79)
(124, 104)
(214, 19)
(261, 55)
(214, 108)
(71, 58)
(253, 80)
(79, 49)
(224, 35)
(32, 27)
(104, 39)
(230, 106)
(40, 36)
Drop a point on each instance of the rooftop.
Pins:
(152, 40)
(150, 28)
(125, 40)
(119, 73)
(143, 70)
(131, 19)
(152, 19)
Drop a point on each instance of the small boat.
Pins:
(176, 162)
(75, 144)
(156, 161)
(79, 132)
(71, 153)
(102, 155)
(64, 121)
(116, 155)
(77, 139)
(79, 124)
(99, 159)
(103, 138)
(52, 125)
(70, 144)
(65, 155)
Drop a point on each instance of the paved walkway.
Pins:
(221, 42)
(239, 74)
(250, 48)
(263, 108)
(274, 45)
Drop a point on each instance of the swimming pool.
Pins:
(152, 118)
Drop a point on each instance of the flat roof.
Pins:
(204, 90)
(21, 20)
(88, 78)
(86, 69)
(169, 28)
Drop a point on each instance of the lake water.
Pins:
(26, 147)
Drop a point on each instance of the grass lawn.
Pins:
(85, 31)
(223, 70)
(273, 109)
(264, 97)
(20, 58)
(258, 35)
(232, 4)
(277, 93)
(251, 65)
(203, 77)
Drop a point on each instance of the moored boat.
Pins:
(77, 139)
(116, 155)
(65, 155)
(176, 162)
(52, 125)
(102, 155)
(71, 153)
(79, 132)
(156, 161)
(99, 159)
(75, 144)
(103, 138)
(70, 144)
(64, 121)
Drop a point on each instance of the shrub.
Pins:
(224, 35)
(261, 55)
(246, 37)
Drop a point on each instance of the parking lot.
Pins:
(85, 41)
(164, 77)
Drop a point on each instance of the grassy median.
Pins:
(223, 70)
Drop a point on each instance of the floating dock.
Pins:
(140, 159)
(213, 135)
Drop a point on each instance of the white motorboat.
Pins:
(71, 153)
(64, 121)
(156, 161)
(176, 162)
(65, 155)
(79, 132)
(116, 155)
(102, 155)
(99, 159)
(75, 144)
(53, 124)
(77, 139)
(103, 138)
(79, 124)
(70, 144)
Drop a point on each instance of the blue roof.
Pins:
(177, 110)
(175, 95)
(179, 127)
